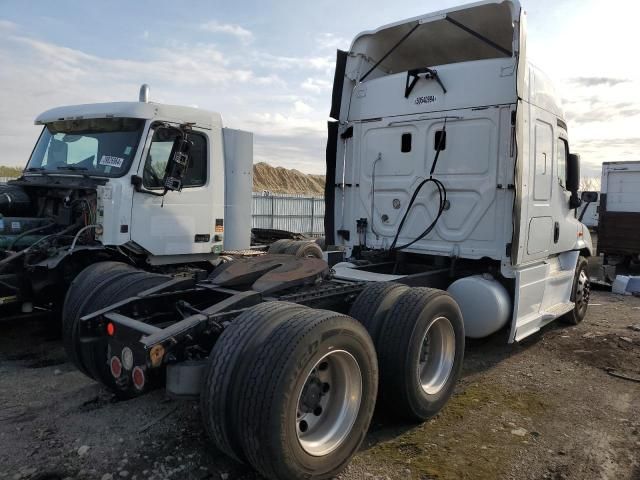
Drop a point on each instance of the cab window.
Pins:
(158, 156)
(563, 152)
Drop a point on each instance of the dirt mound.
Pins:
(284, 180)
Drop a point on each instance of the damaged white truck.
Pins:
(88, 195)
(451, 193)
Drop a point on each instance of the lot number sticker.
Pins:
(111, 161)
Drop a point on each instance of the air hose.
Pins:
(442, 193)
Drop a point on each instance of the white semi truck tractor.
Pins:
(451, 191)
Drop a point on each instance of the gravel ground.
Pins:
(548, 408)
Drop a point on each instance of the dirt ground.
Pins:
(549, 408)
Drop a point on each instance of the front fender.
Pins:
(583, 242)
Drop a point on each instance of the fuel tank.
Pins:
(485, 304)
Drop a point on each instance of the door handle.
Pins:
(556, 232)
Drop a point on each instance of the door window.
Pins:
(563, 148)
(158, 156)
(543, 159)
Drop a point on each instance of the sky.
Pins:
(268, 67)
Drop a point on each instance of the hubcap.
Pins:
(328, 403)
(583, 290)
(436, 355)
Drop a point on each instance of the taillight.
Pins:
(116, 367)
(111, 329)
(127, 358)
(138, 378)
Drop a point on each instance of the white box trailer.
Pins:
(619, 214)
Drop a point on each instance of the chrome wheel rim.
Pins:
(583, 290)
(328, 403)
(437, 355)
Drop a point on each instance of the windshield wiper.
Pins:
(37, 169)
(73, 168)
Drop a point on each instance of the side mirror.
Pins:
(589, 197)
(573, 179)
(177, 164)
(573, 172)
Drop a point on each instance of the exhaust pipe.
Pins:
(144, 93)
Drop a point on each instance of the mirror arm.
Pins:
(136, 181)
(584, 210)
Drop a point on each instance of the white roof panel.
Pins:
(147, 111)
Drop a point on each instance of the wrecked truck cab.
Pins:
(102, 184)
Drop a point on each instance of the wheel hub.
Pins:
(328, 403)
(437, 355)
(583, 290)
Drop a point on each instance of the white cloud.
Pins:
(301, 108)
(237, 31)
(330, 41)
(317, 85)
(44, 75)
(7, 25)
(325, 64)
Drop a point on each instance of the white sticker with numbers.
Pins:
(110, 161)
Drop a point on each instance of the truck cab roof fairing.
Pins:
(476, 31)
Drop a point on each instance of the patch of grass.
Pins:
(459, 443)
(6, 171)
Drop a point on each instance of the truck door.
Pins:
(179, 222)
(565, 223)
(536, 211)
(547, 224)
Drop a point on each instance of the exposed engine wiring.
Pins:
(75, 239)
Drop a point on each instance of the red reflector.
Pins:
(111, 329)
(116, 367)
(138, 378)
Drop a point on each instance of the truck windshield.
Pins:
(101, 147)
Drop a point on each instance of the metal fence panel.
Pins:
(295, 213)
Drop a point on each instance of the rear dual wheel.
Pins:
(96, 287)
(291, 390)
(419, 339)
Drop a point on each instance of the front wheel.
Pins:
(579, 294)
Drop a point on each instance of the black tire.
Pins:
(229, 358)
(270, 393)
(308, 249)
(78, 296)
(95, 356)
(374, 303)
(101, 286)
(293, 247)
(418, 312)
(279, 246)
(580, 293)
